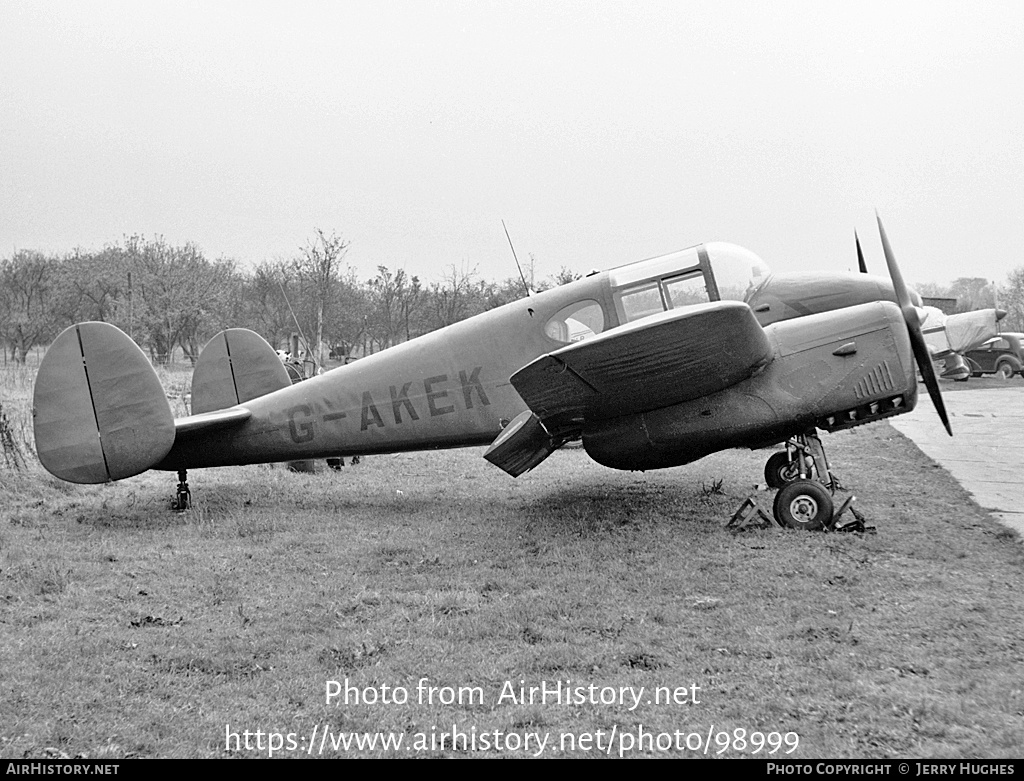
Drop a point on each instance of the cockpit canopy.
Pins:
(707, 272)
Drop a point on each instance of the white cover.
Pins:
(957, 333)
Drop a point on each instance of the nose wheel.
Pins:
(805, 482)
(803, 504)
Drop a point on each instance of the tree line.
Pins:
(973, 293)
(169, 297)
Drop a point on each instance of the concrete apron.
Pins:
(986, 452)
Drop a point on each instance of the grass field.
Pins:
(127, 630)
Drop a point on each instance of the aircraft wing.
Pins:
(666, 359)
(673, 357)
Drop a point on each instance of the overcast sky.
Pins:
(601, 132)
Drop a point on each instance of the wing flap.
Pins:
(673, 357)
(522, 445)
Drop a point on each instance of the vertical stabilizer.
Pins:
(99, 411)
(235, 366)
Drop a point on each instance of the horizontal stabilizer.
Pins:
(211, 421)
(99, 411)
(235, 366)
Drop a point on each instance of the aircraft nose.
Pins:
(1000, 314)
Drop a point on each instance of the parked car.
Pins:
(1003, 356)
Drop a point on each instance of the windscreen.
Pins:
(738, 271)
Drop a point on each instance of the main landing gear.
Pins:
(806, 485)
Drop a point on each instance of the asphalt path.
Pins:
(986, 452)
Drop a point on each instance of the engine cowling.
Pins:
(831, 371)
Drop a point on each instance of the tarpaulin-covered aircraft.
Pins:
(653, 364)
(948, 337)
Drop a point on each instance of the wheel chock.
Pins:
(854, 524)
(847, 503)
(749, 516)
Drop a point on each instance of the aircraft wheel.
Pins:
(780, 470)
(803, 504)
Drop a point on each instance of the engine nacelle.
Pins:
(832, 371)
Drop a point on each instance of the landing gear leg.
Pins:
(811, 444)
(804, 458)
(804, 500)
(183, 499)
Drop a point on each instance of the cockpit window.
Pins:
(576, 322)
(708, 272)
(641, 301)
(680, 284)
(686, 289)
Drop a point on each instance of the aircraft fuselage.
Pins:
(450, 388)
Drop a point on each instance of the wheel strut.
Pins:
(804, 500)
(808, 452)
(183, 499)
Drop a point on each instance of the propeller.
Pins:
(860, 254)
(913, 320)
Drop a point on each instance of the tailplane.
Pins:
(99, 411)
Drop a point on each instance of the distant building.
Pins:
(945, 305)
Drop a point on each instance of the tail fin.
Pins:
(235, 366)
(99, 411)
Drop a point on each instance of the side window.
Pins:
(576, 322)
(641, 301)
(685, 290)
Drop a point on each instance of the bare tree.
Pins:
(972, 293)
(175, 296)
(395, 298)
(91, 285)
(451, 299)
(26, 317)
(1011, 298)
(319, 266)
(266, 294)
(565, 275)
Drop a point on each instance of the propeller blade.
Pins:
(913, 320)
(860, 254)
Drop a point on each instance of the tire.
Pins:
(803, 504)
(780, 470)
(1005, 370)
